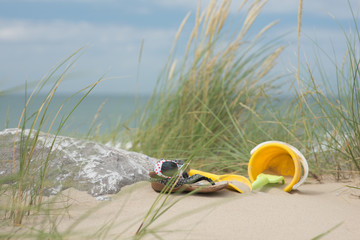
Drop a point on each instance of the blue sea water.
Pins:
(114, 108)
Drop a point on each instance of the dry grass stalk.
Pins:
(269, 62)
(219, 69)
(254, 12)
(300, 9)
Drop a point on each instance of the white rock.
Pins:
(85, 165)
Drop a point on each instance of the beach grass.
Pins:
(329, 102)
(201, 100)
(31, 167)
(217, 102)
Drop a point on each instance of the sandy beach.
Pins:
(312, 210)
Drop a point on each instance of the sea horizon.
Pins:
(101, 111)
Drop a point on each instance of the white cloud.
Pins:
(55, 31)
(30, 48)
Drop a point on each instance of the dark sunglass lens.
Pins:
(169, 168)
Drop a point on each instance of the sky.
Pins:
(35, 35)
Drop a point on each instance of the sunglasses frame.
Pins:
(159, 164)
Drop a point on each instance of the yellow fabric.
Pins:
(277, 159)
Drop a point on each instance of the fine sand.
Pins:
(329, 208)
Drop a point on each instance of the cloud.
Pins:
(30, 48)
(62, 31)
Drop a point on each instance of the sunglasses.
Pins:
(169, 168)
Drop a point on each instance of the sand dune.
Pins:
(268, 214)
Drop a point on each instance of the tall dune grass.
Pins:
(30, 170)
(332, 107)
(216, 103)
(219, 79)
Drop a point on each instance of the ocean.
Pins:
(114, 108)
